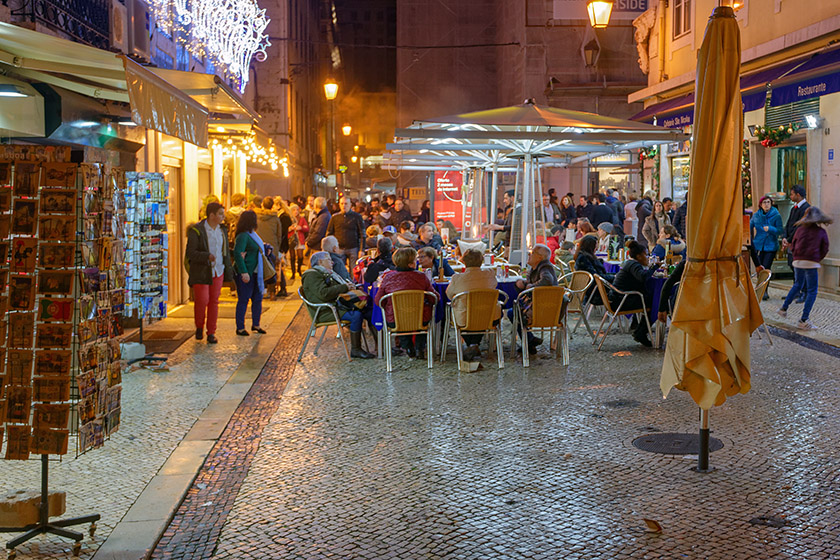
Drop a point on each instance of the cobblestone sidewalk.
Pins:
(825, 316)
(539, 463)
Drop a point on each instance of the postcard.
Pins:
(53, 363)
(87, 308)
(5, 225)
(87, 409)
(114, 373)
(56, 282)
(48, 442)
(87, 383)
(54, 335)
(59, 175)
(56, 255)
(87, 331)
(21, 293)
(112, 422)
(50, 389)
(26, 178)
(112, 398)
(53, 310)
(58, 201)
(19, 367)
(17, 446)
(24, 251)
(5, 173)
(51, 416)
(56, 228)
(90, 280)
(25, 217)
(18, 403)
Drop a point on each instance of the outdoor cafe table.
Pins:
(507, 285)
(654, 285)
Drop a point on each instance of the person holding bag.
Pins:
(249, 258)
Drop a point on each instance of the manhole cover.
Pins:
(769, 521)
(674, 444)
(622, 403)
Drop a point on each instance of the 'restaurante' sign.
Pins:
(622, 9)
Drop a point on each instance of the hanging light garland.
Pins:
(228, 32)
(248, 147)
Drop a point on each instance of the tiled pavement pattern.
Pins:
(195, 528)
(538, 463)
(825, 315)
(158, 410)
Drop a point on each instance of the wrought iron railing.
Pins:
(85, 21)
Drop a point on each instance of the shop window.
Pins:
(682, 17)
(680, 166)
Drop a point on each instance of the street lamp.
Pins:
(331, 92)
(346, 129)
(330, 89)
(599, 12)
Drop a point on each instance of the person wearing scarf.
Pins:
(248, 255)
(655, 223)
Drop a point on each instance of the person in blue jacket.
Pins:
(765, 228)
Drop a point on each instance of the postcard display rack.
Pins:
(63, 263)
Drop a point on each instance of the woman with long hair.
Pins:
(654, 224)
(809, 247)
(250, 281)
(584, 227)
(297, 238)
(568, 215)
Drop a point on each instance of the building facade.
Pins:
(790, 78)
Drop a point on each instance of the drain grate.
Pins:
(674, 444)
(769, 521)
(622, 403)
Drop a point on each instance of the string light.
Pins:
(247, 146)
(228, 32)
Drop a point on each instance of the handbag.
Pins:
(268, 268)
(352, 300)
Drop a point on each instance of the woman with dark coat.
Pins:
(250, 282)
(809, 247)
(568, 215)
(586, 261)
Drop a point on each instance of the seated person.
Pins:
(670, 235)
(473, 278)
(320, 284)
(604, 234)
(330, 245)
(545, 236)
(405, 237)
(586, 261)
(541, 273)
(428, 259)
(372, 233)
(668, 295)
(405, 277)
(429, 237)
(382, 262)
(583, 228)
(450, 228)
(633, 277)
(566, 252)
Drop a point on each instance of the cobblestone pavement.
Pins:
(158, 410)
(825, 315)
(538, 463)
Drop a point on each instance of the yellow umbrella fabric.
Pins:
(708, 351)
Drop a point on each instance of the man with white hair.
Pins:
(318, 226)
(320, 284)
(541, 273)
(330, 245)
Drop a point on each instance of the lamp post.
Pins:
(599, 13)
(331, 92)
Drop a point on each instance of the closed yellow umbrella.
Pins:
(708, 352)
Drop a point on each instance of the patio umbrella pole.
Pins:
(703, 457)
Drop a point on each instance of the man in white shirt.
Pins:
(207, 258)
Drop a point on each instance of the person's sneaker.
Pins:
(782, 312)
(211, 339)
(805, 326)
(765, 297)
(199, 334)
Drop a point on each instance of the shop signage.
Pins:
(229, 32)
(807, 89)
(448, 197)
(622, 9)
(417, 193)
(679, 120)
(831, 156)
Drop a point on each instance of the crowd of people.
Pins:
(348, 243)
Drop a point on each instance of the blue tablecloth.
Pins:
(508, 286)
(654, 285)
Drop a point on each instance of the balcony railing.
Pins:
(85, 21)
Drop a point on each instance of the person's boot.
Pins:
(356, 347)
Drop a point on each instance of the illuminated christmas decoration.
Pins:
(246, 145)
(228, 32)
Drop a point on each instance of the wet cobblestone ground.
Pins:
(158, 410)
(538, 463)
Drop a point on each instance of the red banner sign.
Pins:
(448, 197)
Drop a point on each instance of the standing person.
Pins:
(310, 208)
(568, 215)
(600, 211)
(400, 213)
(681, 218)
(298, 232)
(765, 229)
(318, 226)
(550, 211)
(644, 208)
(270, 231)
(808, 247)
(425, 213)
(584, 209)
(668, 205)
(238, 201)
(349, 228)
(250, 282)
(207, 260)
(800, 206)
(285, 215)
(654, 224)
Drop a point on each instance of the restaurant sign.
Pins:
(448, 197)
(622, 9)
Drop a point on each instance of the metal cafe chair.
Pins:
(577, 284)
(762, 280)
(615, 313)
(408, 308)
(546, 312)
(480, 307)
(323, 318)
